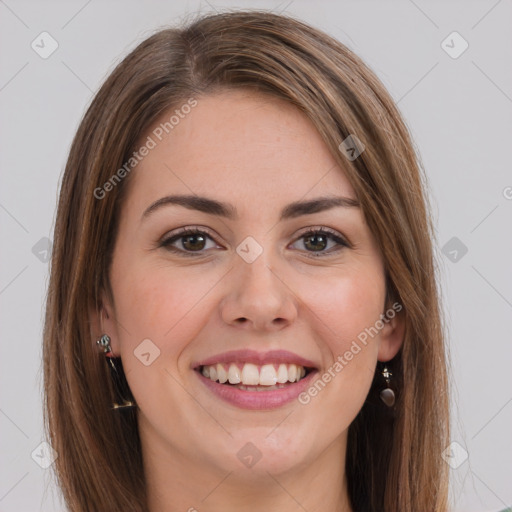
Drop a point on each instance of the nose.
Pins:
(258, 298)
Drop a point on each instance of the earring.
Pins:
(121, 387)
(387, 395)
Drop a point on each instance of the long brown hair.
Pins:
(393, 460)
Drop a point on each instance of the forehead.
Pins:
(238, 144)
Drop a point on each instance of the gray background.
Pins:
(458, 111)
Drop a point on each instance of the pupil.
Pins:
(189, 237)
(315, 237)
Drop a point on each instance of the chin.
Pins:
(256, 452)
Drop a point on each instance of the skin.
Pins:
(260, 154)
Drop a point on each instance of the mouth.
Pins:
(255, 378)
(252, 380)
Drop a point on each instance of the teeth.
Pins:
(250, 375)
(260, 388)
(268, 375)
(282, 374)
(234, 376)
(222, 374)
(292, 373)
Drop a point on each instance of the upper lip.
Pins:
(255, 357)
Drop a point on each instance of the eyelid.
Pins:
(181, 232)
(319, 228)
(186, 229)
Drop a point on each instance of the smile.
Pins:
(257, 377)
(252, 380)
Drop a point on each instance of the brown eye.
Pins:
(187, 242)
(317, 241)
(193, 242)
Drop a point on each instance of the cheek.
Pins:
(346, 306)
(163, 304)
(149, 304)
(165, 307)
(346, 315)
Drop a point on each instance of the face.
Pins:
(264, 293)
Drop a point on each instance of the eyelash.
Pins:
(332, 235)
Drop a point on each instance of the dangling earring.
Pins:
(125, 399)
(387, 395)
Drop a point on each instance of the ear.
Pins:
(391, 337)
(102, 321)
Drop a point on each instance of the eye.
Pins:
(190, 241)
(318, 239)
(193, 241)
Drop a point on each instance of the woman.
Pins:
(242, 311)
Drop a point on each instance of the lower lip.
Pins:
(258, 399)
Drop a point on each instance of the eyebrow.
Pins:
(214, 207)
